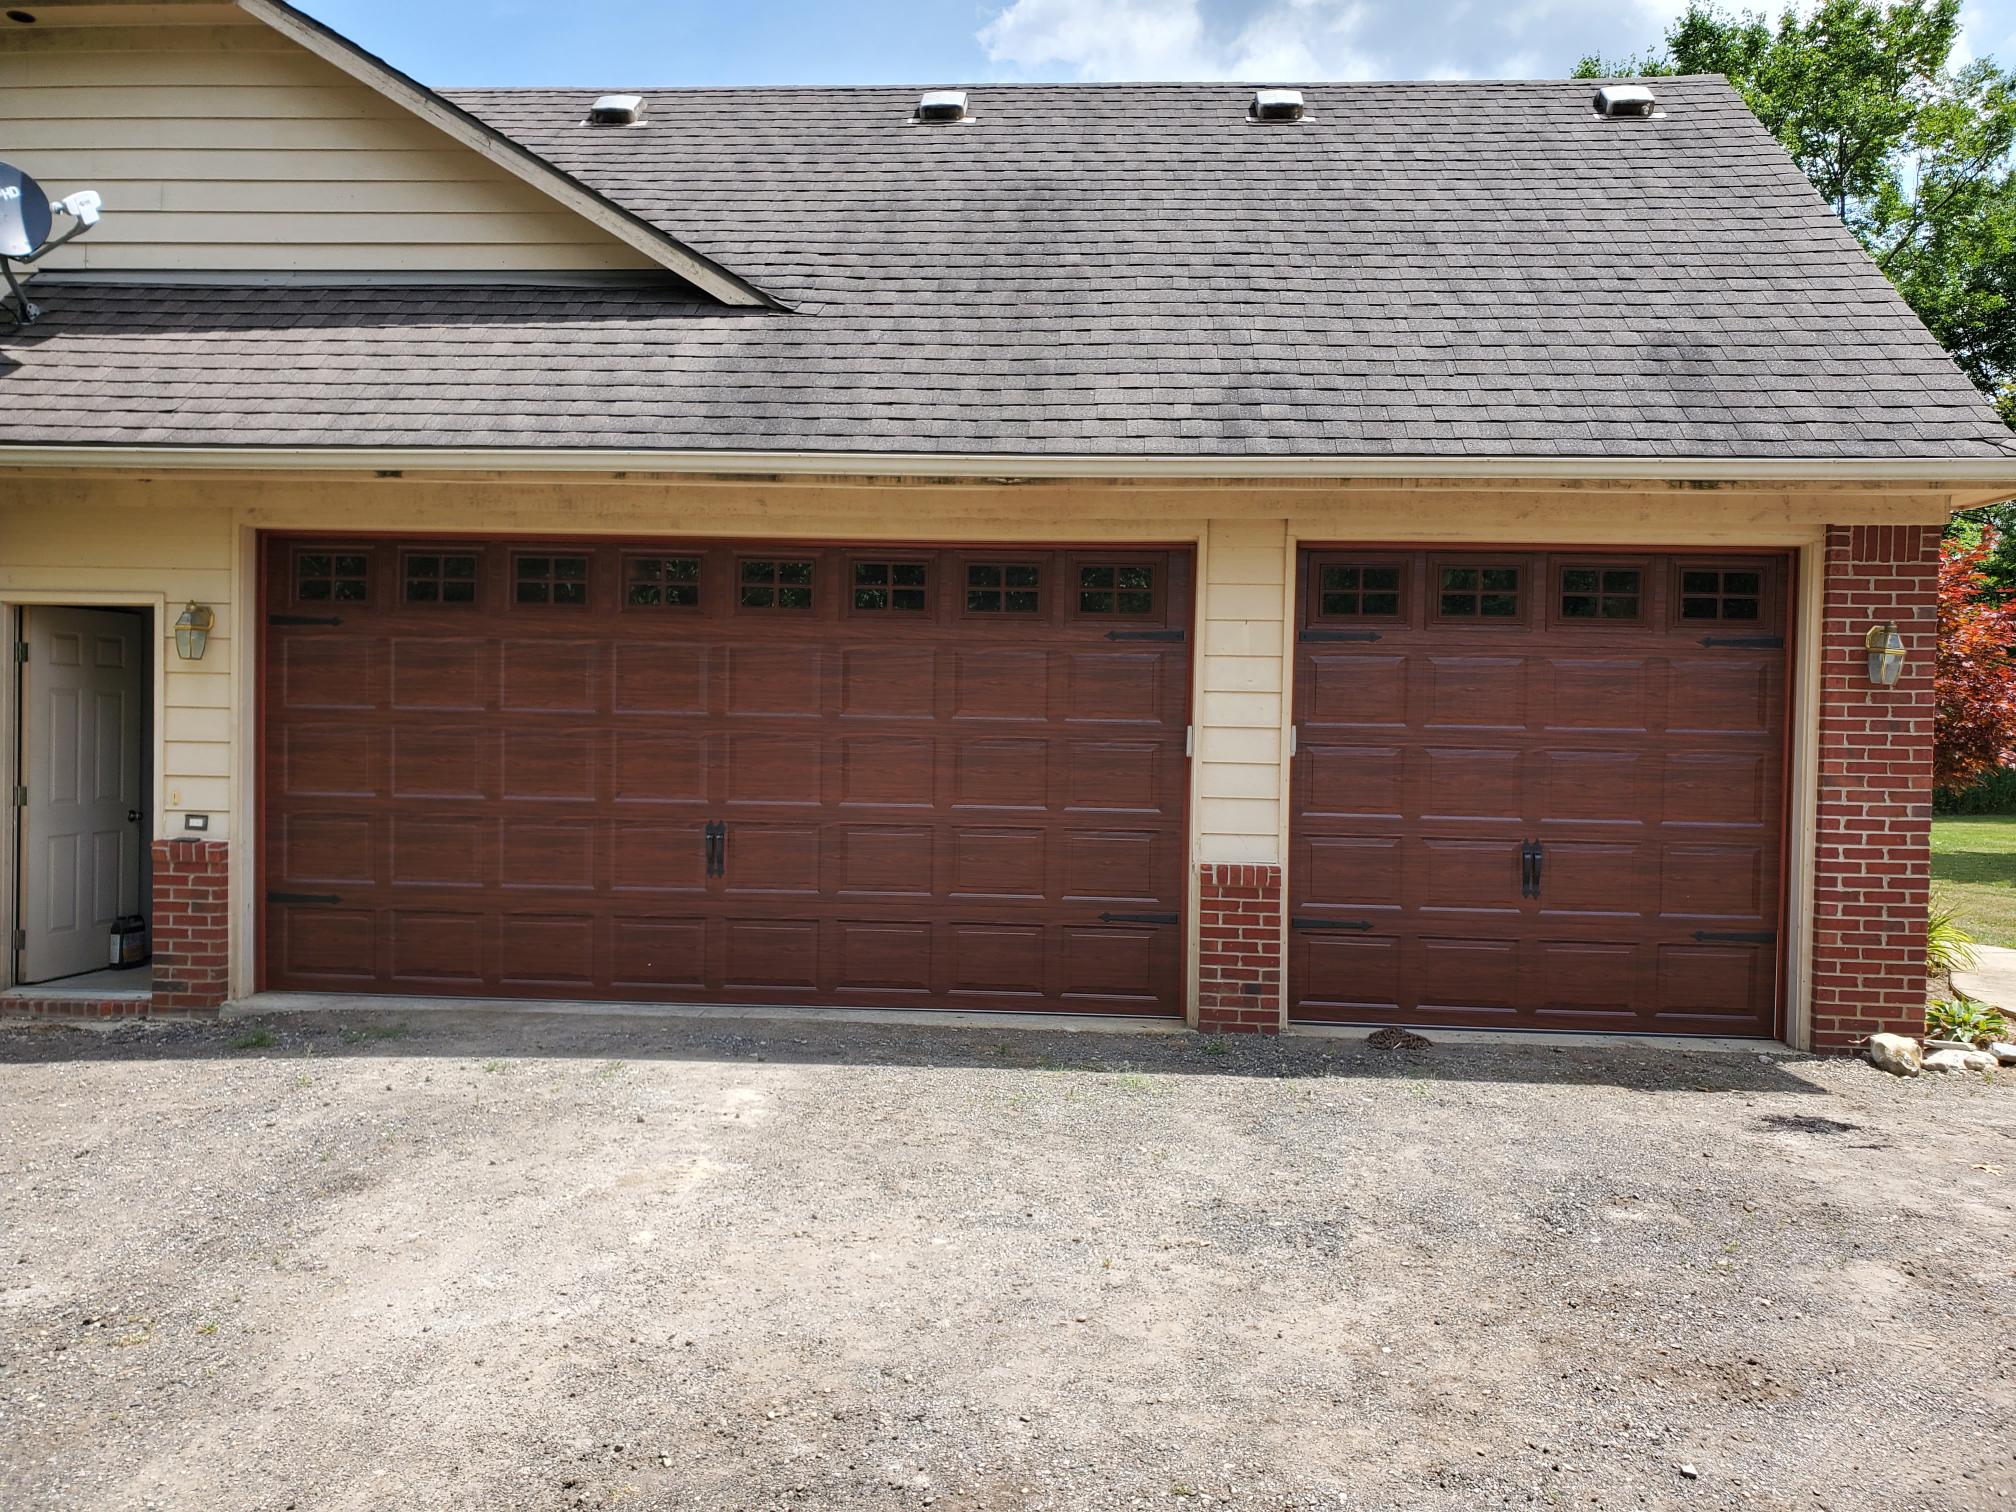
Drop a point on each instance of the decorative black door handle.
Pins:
(713, 843)
(1539, 860)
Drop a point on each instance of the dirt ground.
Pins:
(534, 1261)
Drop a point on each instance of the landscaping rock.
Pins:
(1960, 1061)
(2005, 1053)
(1895, 1053)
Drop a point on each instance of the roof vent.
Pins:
(616, 110)
(1275, 105)
(1625, 100)
(937, 106)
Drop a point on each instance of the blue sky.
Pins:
(665, 42)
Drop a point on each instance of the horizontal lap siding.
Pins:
(1239, 718)
(231, 148)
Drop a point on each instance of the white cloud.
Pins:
(1314, 39)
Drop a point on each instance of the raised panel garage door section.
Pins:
(1539, 791)
(878, 777)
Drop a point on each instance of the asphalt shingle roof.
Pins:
(1444, 270)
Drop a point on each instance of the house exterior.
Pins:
(1106, 553)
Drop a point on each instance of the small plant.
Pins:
(1965, 1019)
(372, 1032)
(254, 1039)
(1948, 947)
(496, 1066)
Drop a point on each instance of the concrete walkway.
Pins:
(1992, 978)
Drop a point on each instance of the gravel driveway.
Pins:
(529, 1260)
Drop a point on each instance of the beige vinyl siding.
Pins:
(1239, 717)
(231, 148)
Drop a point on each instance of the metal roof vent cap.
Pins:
(1275, 105)
(938, 107)
(1625, 100)
(616, 110)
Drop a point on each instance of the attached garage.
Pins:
(949, 778)
(1539, 790)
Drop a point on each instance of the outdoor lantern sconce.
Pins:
(1886, 655)
(192, 632)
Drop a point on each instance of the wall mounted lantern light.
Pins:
(1886, 655)
(192, 631)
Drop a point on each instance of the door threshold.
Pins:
(1582, 1038)
(262, 1003)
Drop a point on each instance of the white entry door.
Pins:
(83, 830)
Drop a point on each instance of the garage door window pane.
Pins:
(329, 577)
(1002, 588)
(1118, 588)
(662, 582)
(1600, 593)
(1358, 591)
(550, 580)
(440, 578)
(1479, 593)
(768, 583)
(1715, 594)
(890, 585)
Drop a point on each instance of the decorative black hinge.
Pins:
(1754, 642)
(294, 897)
(302, 619)
(1147, 635)
(1738, 936)
(1304, 923)
(1140, 918)
(1339, 635)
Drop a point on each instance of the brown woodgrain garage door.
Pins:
(883, 777)
(1539, 791)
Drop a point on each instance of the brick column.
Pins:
(1872, 868)
(1239, 951)
(191, 927)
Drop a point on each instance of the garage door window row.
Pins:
(869, 584)
(1510, 594)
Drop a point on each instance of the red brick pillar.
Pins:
(1239, 950)
(191, 929)
(1872, 869)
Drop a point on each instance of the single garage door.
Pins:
(700, 772)
(1539, 791)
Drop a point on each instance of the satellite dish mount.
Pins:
(26, 218)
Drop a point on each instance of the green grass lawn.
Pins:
(1974, 873)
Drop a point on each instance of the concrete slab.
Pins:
(1992, 978)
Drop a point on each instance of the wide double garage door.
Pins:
(714, 772)
(1539, 790)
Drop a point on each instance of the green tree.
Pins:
(1913, 154)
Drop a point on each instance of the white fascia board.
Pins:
(1927, 472)
(375, 73)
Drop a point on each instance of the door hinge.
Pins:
(1137, 918)
(20, 652)
(20, 939)
(1308, 923)
(20, 795)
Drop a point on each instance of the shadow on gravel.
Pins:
(531, 1035)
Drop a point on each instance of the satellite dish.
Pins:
(24, 213)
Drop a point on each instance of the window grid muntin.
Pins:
(1359, 590)
(661, 582)
(331, 577)
(438, 577)
(883, 585)
(545, 578)
(1596, 593)
(1479, 590)
(774, 583)
(1004, 588)
(1116, 588)
(1721, 593)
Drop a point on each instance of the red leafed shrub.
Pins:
(1973, 679)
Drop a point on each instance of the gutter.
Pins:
(1929, 472)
